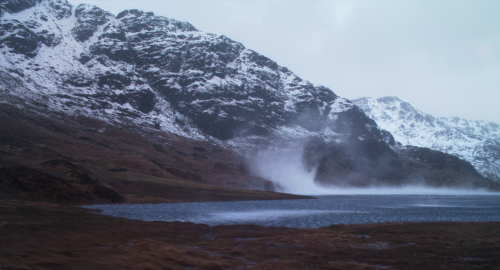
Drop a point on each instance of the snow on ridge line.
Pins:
(475, 141)
(49, 70)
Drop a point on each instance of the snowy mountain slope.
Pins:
(160, 73)
(52, 74)
(475, 141)
(155, 70)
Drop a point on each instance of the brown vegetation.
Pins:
(58, 158)
(48, 163)
(50, 236)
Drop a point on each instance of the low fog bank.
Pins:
(242, 216)
(404, 190)
(284, 165)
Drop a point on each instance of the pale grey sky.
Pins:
(441, 56)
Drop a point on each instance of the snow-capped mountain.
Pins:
(475, 141)
(154, 70)
(163, 74)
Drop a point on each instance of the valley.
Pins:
(136, 108)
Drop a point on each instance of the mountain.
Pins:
(148, 74)
(156, 71)
(477, 142)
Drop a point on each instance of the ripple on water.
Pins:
(324, 211)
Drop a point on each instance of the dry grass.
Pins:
(146, 166)
(157, 167)
(50, 236)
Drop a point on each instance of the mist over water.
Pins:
(319, 212)
(252, 216)
(284, 166)
(404, 190)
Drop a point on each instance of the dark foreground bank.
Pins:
(51, 236)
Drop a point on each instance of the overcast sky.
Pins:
(441, 56)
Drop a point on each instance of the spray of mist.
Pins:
(284, 166)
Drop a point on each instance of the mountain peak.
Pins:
(150, 19)
(133, 12)
(475, 141)
(390, 99)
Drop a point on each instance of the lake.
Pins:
(320, 212)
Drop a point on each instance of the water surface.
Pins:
(320, 212)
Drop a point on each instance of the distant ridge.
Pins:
(475, 141)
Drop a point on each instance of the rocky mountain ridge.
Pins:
(156, 69)
(158, 73)
(475, 141)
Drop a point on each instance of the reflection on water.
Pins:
(435, 205)
(324, 211)
(250, 216)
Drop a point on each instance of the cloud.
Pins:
(484, 49)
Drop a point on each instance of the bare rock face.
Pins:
(164, 74)
(89, 19)
(14, 6)
(19, 39)
(27, 37)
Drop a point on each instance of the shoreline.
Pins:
(321, 212)
(53, 236)
(281, 196)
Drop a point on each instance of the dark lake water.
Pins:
(320, 212)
